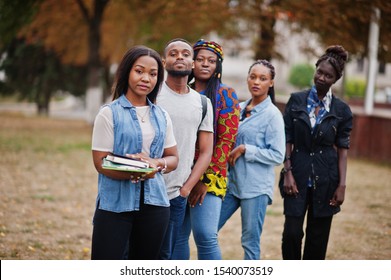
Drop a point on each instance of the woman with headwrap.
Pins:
(205, 199)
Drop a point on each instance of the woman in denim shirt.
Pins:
(260, 146)
(132, 210)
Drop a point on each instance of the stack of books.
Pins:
(122, 163)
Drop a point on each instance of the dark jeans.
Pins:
(177, 217)
(316, 240)
(134, 235)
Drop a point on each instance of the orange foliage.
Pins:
(59, 25)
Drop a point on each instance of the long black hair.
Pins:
(122, 75)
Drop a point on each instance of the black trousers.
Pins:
(143, 231)
(316, 235)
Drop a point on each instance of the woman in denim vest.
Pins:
(132, 209)
(259, 147)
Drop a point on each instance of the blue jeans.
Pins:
(203, 221)
(252, 215)
(177, 215)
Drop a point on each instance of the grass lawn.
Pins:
(48, 188)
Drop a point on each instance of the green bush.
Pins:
(301, 75)
(355, 88)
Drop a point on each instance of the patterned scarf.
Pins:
(324, 104)
(313, 102)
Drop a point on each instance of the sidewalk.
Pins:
(69, 108)
(73, 108)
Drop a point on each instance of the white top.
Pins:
(185, 111)
(103, 132)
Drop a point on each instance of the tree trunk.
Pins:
(43, 100)
(266, 38)
(265, 47)
(94, 95)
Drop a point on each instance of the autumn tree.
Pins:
(259, 18)
(13, 16)
(32, 72)
(344, 22)
(96, 33)
(35, 73)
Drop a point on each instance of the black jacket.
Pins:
(315, 154)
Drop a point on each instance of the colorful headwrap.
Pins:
(211, 46)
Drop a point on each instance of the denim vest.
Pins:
(123, 195)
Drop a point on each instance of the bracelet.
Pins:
(165, 166)
(287, 158)
(286, 170)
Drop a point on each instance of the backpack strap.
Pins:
(204, 108)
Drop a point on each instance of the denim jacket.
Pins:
(264, 137)
(123, 195)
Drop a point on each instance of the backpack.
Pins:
(204, 108)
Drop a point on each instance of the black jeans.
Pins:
(316, 240)
(143, 231)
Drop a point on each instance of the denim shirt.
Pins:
(264, 137)
(123, 195)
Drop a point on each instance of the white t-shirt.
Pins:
(185, 111)
(103, 132)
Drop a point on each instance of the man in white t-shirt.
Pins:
(184, 106)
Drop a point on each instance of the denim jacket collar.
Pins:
(259, 108)
(127, 104)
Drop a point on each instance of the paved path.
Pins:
(69, 108)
